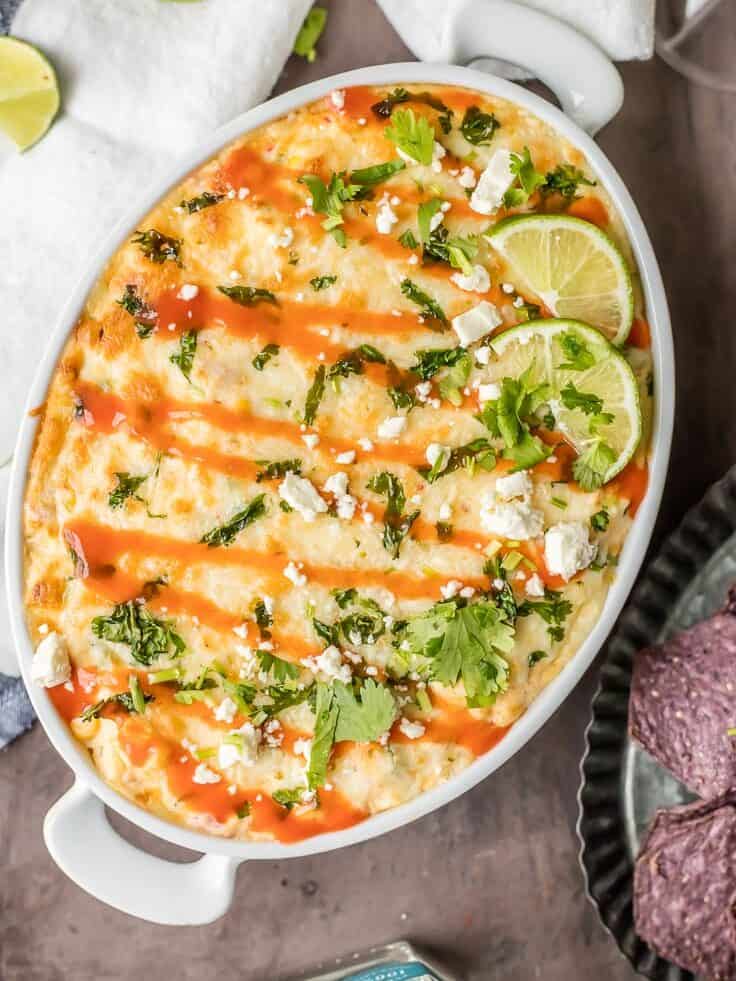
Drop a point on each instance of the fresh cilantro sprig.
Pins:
(148, 638)
(330, 199)
(509, 418)
(439, 245)
(412, 135)
(454, 641)
(565, 180)
(526, 179)
(396, 524)
(227, 533)
(430, 307)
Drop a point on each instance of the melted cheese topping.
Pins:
(168, 387)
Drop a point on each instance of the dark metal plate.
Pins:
(621, 785)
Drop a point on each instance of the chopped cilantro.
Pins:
(322, 282)
(144, 316)
(277, 469)
(227, 533)
(126, 486)
(408, 240)
(509, 418)
(279, 669)
(184, 357)
(396, 524)
(248, 296)
(204, 200)
(430, 308)
(314, 395)
(600, 520)
(147, 637)
(365, 713)
(593, 464)
(526, 179)
(412, 135)
(579, 357)
(261, 360)
(565, 180)
(157, 247)
(553, 609)
(478, 127)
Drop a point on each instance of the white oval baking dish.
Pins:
(76, 830)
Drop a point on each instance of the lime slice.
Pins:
(29, 92)
(572, 266)
(593, 393)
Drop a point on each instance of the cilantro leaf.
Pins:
(261, 360)
(509, 418)
(184, 357)
(322, 282)
(279, 669)
(204, 200)
(587, 402)
(227, 533)
(565, 180)
(326, 712)
(430, 308)
(454, 381)
(593, 464)
(132, 624)
(457, 641)
(396, 524)
(579, 356)
(425, 213)
(553, 609)
(477, 453)
(310, 32)
(478, 127)
(126, 486)
(377, 174)
(407, 239)
(248, 296)
(412, 135)
(314, 395)
(330, 199)
(364, 715)
(526, 179)
(277, 469)
(157, 247)
(430, 361)
(144, 316)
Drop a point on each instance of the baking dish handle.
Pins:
(85, 847)
(582, 77)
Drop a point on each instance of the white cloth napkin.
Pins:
(623, 28)
(140, 82)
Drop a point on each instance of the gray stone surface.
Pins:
(491, 880)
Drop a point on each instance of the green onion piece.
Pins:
(511, 561)
(166, 674)
(205, 753)
(136, 694)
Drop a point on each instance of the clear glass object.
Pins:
(400, 961)
(698, 39)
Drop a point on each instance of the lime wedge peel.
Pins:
(539, 344)
(29, 92)
(572, 266)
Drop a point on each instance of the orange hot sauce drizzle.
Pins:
(455, 724)
(590, 209)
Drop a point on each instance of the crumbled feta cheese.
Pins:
(483, 355)
(386, 217)
(534, 586)
(489, 392)
(346, 506)
(438, 154)
(476, 322)
(337, 98)
(437, 454)
(518, 302)
(412, 730)
(293, 575)
(225, 711)
(282, 241)
(203, 774)
(517, 484)
(467, 591)
(310, 440)
(302, 495)
(515, 520)
(330, 663)
(567, 548)
(467, 177)
(413, 260)
(392, 427)
(422, 390)
(445, 512)
(493, 184)
(251, 740)
(50, 665)
(243, 193)
(337, 484)
(508, 288)
(368, 518)
(187, 292)
(365, 444)
(451, 588)
(241, 630)
(345, 458)
(303, 747)
(478, 281)
(227, 755)
(436, 220)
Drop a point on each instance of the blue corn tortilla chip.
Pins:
(685, 888)
(683, 703)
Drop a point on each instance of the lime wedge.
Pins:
(593, 394)
(572, 266)
(29, 92)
